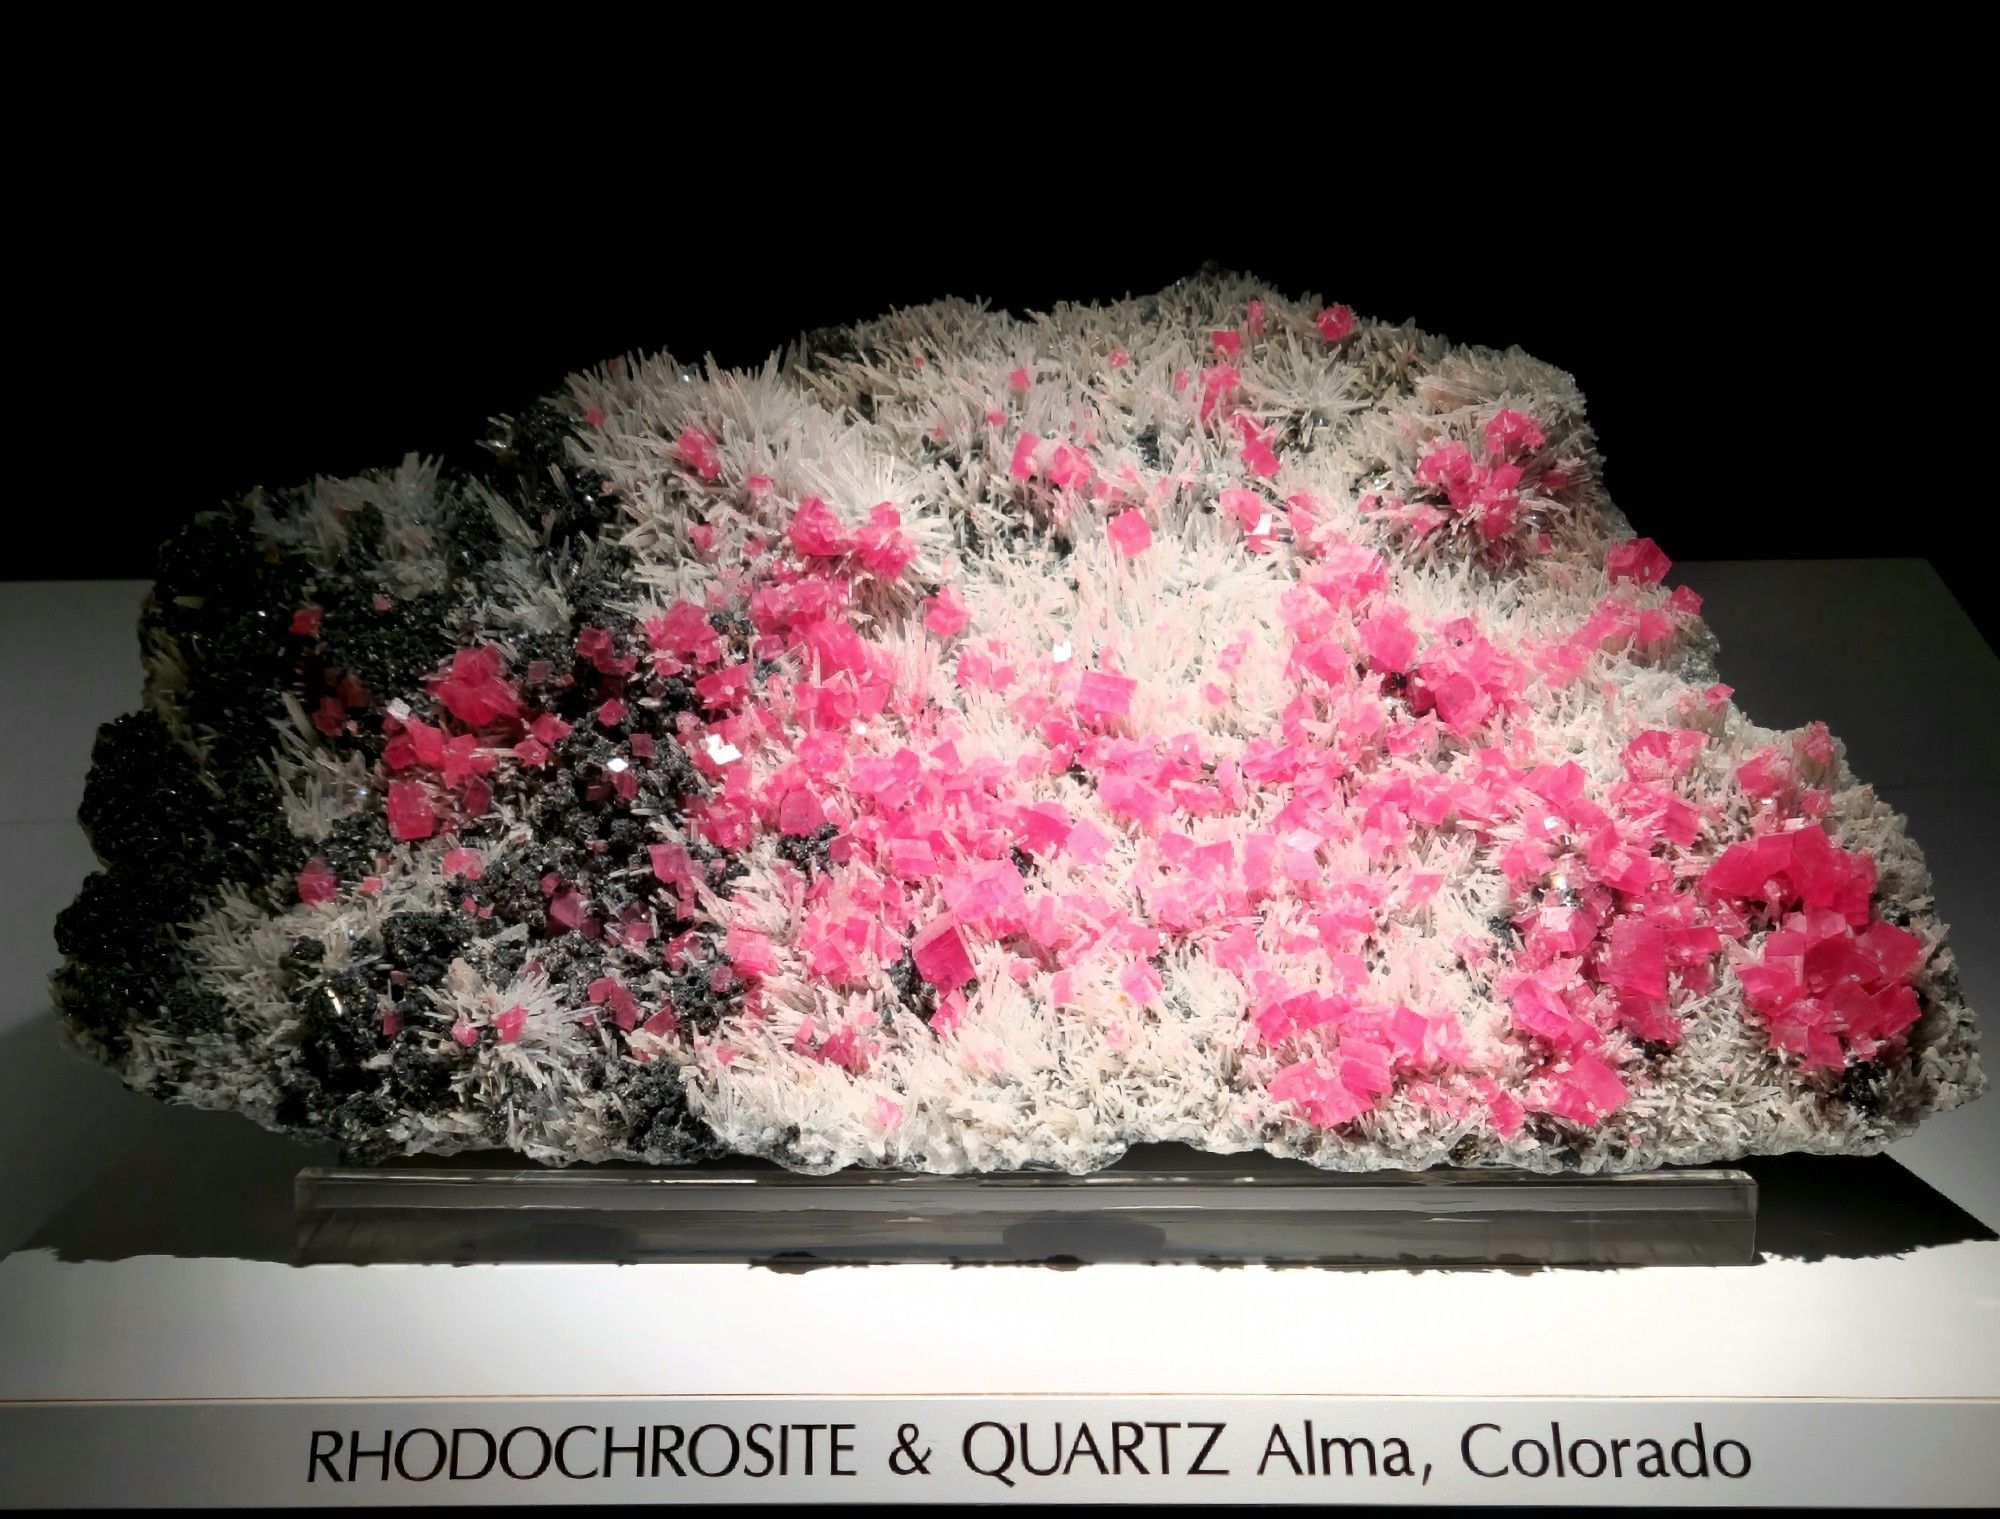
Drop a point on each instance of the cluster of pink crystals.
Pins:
(920, 825)
(1611, 931)
(1398, 730)
(332, 715)
(1832, 980)
(1485, 489)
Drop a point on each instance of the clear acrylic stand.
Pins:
(1160, 1203)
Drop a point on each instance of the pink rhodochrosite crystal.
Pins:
(980, 742)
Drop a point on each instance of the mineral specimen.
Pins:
(976, 742)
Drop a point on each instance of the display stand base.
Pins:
(1160, 1203)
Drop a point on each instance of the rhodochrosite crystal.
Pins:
(972, 742)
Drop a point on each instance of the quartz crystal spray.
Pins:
(974, 742)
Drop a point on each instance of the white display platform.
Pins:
(155, 1346)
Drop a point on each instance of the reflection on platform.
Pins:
(227, 1191)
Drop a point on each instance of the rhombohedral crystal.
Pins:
(975, 742)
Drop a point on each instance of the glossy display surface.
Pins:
(1161, 1203)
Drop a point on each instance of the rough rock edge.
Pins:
(1943, 1074)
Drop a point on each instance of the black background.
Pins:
(1760, 360)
